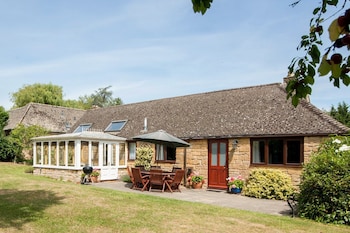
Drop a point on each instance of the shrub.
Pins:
(144, 156)
(268, 184)
(126, 178)
(29, 170)
(325, 184)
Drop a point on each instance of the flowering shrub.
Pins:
(325, 184)
(235, 182)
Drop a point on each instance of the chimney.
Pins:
(144, 130)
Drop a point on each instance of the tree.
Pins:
(52, 94)
(103, 98)
(304, 69)
(4, 116)
(341, 114)
(21, 137)
(38, 93)
(7, 149)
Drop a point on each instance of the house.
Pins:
(56, 119)
(230, 131)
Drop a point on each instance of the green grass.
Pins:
(31, 203)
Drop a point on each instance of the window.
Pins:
(82, 127)
(115, 126)
(287, 151)
(165, 153)
(132, 150)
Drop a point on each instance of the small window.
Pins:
(115, 126)
(132, 150)
(277, 151)
(82, 127)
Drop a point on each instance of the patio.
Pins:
(213, 197)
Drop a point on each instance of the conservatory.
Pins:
(63, 156)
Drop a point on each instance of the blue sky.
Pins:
(152, 49)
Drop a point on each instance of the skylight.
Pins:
(82, 127)
(115, 126)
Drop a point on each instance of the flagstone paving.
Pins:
(213, 197)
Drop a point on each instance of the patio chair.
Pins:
(173, 184)
(156, 179)
(141, 182)
(131, 178)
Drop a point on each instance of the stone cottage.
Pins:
(230, 131)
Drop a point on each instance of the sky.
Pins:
(152, 49)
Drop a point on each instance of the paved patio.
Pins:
(213, 197)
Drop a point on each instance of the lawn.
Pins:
(38, 204)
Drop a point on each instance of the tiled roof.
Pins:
(243, 112)
(53, 118)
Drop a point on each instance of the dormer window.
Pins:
(82, 127)
(115, 126)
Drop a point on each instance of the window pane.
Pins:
(116, 126)
(46, 153)
(105, 155)
(222, 154)
(293, 152)
(170, 153)
(132, 150)
(122, 160)
(38, 153)
(82, 128)
(62, 154)
(276, 151)
(160, 152)
(53, 153)
(71, 154)
(258, 151)
(84, 154)
(214, 154)
(94, 154)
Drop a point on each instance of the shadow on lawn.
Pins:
(18, 207)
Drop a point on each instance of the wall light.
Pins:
(234, 143)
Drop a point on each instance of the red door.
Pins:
(218, 158)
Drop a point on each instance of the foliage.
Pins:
(95, 173)
(53, 95)
(313, 62)
(126, 178)
(268, 184)
(29, 170)
(304, 69)
(235, 182)
(103, 98)
(38, 93)
(201, 5)
(341, 114)
(197, 179)
(144, 156)
(21, 137)
(8, 149)
(4, 116)
(325, 185)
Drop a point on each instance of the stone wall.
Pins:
(59, 174)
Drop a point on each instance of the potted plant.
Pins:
(197, 181)
(94, 176)
(235, 184)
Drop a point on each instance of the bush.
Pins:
(29, 170)
(268, 184)
(126, 178)
(144, 156)
(325, 184)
